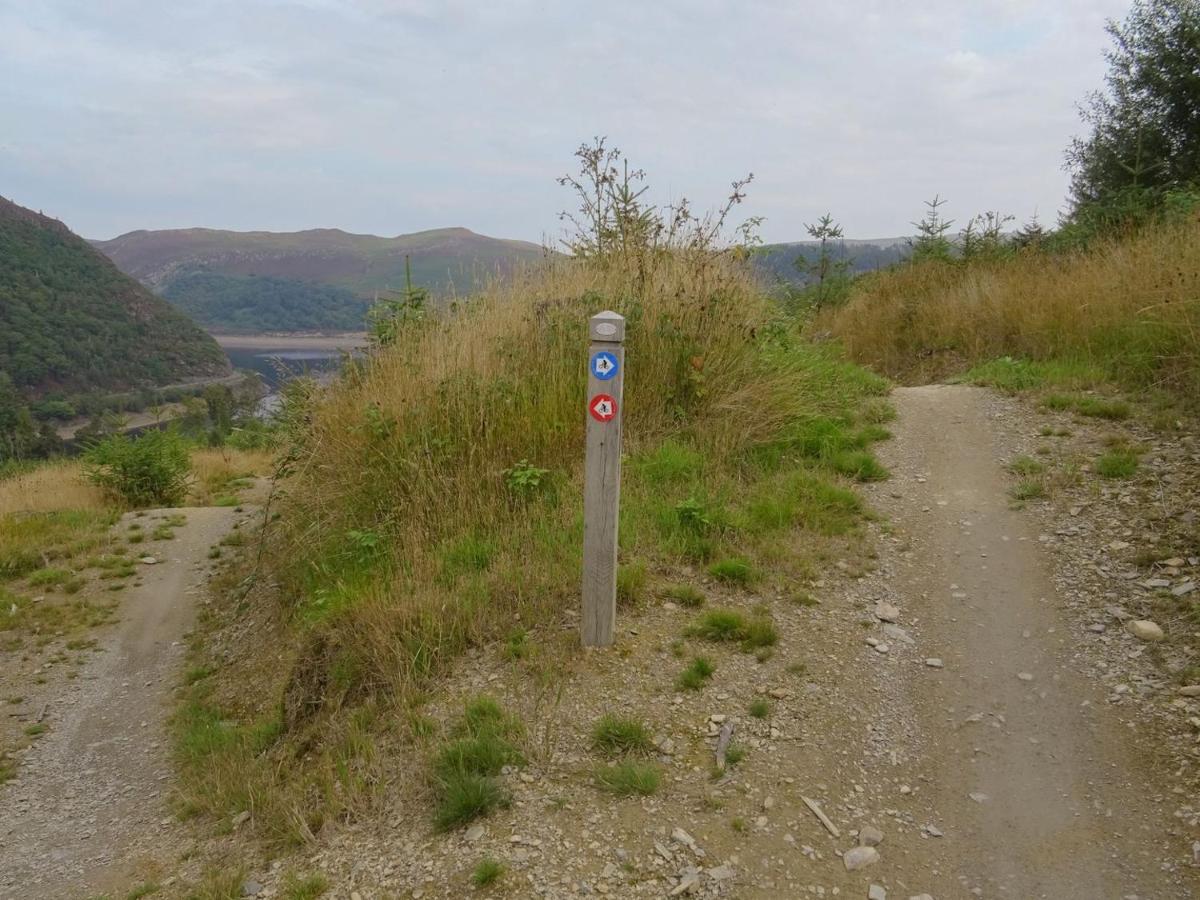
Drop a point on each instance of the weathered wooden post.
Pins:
(602, 477)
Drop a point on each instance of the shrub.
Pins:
(150, 470)
(760, 709)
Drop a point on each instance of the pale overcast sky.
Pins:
(390, 116)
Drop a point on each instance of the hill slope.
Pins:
(363, 265)
(241, 304)
(71, 322)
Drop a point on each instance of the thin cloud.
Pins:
(395, 115)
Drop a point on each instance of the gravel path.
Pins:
(1040, 788)
(87, 809)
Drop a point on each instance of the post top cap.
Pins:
(607, 326)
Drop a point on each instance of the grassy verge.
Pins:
(1124, 313)
(435, 499)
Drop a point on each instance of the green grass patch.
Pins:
(727, 625)
(1117, 464)
(1026, 465)
(516, 645)
(696, 675)
(1028, 489)
(631, 582)
(734, 570)
(1087, 405)
(487, 872)
(30, 541)
(686, 595)
(760, 708)
(626, 779)
(617, 735)
(304, 887)
(51, 577)
(1015, 376)
(465, 769)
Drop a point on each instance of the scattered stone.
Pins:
(921, 897)
(251, 888)
(870, 836)
(1025, 676)
(1145, 630)
(1097, 628)
(887, 612)
(934, 663)
(474, 833)
(859, 858)
(1156, 583)
(882, 648)
(689, 880)
(241, 819)
(979, 796)
(933, 831)
(876, 892)
(150, 561)
(1117, 613)
(679, 836)
(896, 633)
(1184, 589)
(1190, 690)
(721, 873)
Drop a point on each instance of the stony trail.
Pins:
(88, 809)
(1039, 788)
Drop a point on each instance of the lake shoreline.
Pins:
(354, 340)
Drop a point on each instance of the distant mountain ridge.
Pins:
(72, 323)
(263, 280)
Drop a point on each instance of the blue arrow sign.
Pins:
(605, 365)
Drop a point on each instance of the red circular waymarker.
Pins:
(603, 408)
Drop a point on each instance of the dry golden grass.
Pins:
(216, 469)
(49, 488)
(399, 529)
(1128, 309)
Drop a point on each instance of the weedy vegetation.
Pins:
(432, 494)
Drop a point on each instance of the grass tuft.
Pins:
(1117, 464)
(487, 871)
(694, 677)
(626, 779)
(686, 595)
(616, 736)
(734, 570)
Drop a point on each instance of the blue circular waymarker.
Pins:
(605, 365)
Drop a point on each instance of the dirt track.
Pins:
(1040, 787)
(87, 810)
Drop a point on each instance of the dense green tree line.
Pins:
(71, 322)
(257, 303)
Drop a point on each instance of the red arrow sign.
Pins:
(603, 408)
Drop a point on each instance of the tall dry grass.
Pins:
(49, 488)
(1130, 308)
(401, 540)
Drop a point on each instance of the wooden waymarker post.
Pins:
(602, 477)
